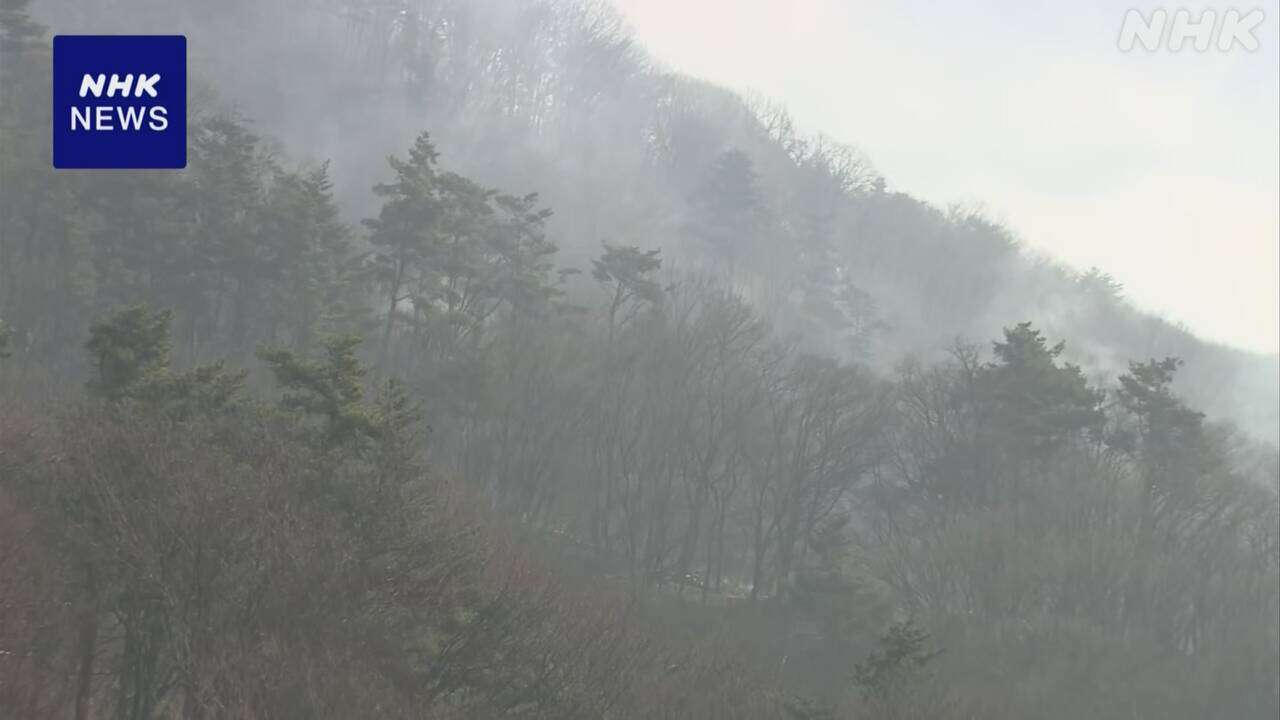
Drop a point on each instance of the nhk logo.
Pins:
(1173, 31)
(119, 101)
(100, 117)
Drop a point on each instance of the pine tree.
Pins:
(626, 273)
(315, 283)
(329, 388)
(128, 349)
(406, 232)
(1038, 402)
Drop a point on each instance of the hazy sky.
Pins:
(1160, 168)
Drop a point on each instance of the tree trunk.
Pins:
(88, 640)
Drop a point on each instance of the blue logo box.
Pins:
(119, 101)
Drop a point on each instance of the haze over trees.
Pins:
(599, 393)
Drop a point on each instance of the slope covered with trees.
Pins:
(554, 95)
(557, 471)
(174, 549)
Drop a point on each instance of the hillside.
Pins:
(556, 97)
(474, 368)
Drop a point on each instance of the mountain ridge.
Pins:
(559, 98)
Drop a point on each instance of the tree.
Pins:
(822, 439)
(315, 283)
(46, 277)
(626, 273)
(523, 256)
(405, 233)
(890, 678)
(1037, 402)
(201, 391)
(329, 388)
(1168, 429)
(728, 208)
(1168, 439)
(128, 349)
(228, 255)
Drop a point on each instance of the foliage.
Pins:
(707, 429)
(204, 567)
(891, 670)
(130, 350)
(330, 388)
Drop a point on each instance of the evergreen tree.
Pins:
(227, 258)
(329, 388)
(1038, 402)
(316, 285)
(405, 234)
(128, 349)
(727, 208)
(888, 676)
(626, 273)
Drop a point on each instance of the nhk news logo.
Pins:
(119, 101)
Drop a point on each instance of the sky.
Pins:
(1159, 167)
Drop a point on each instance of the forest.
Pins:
(484, 369)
